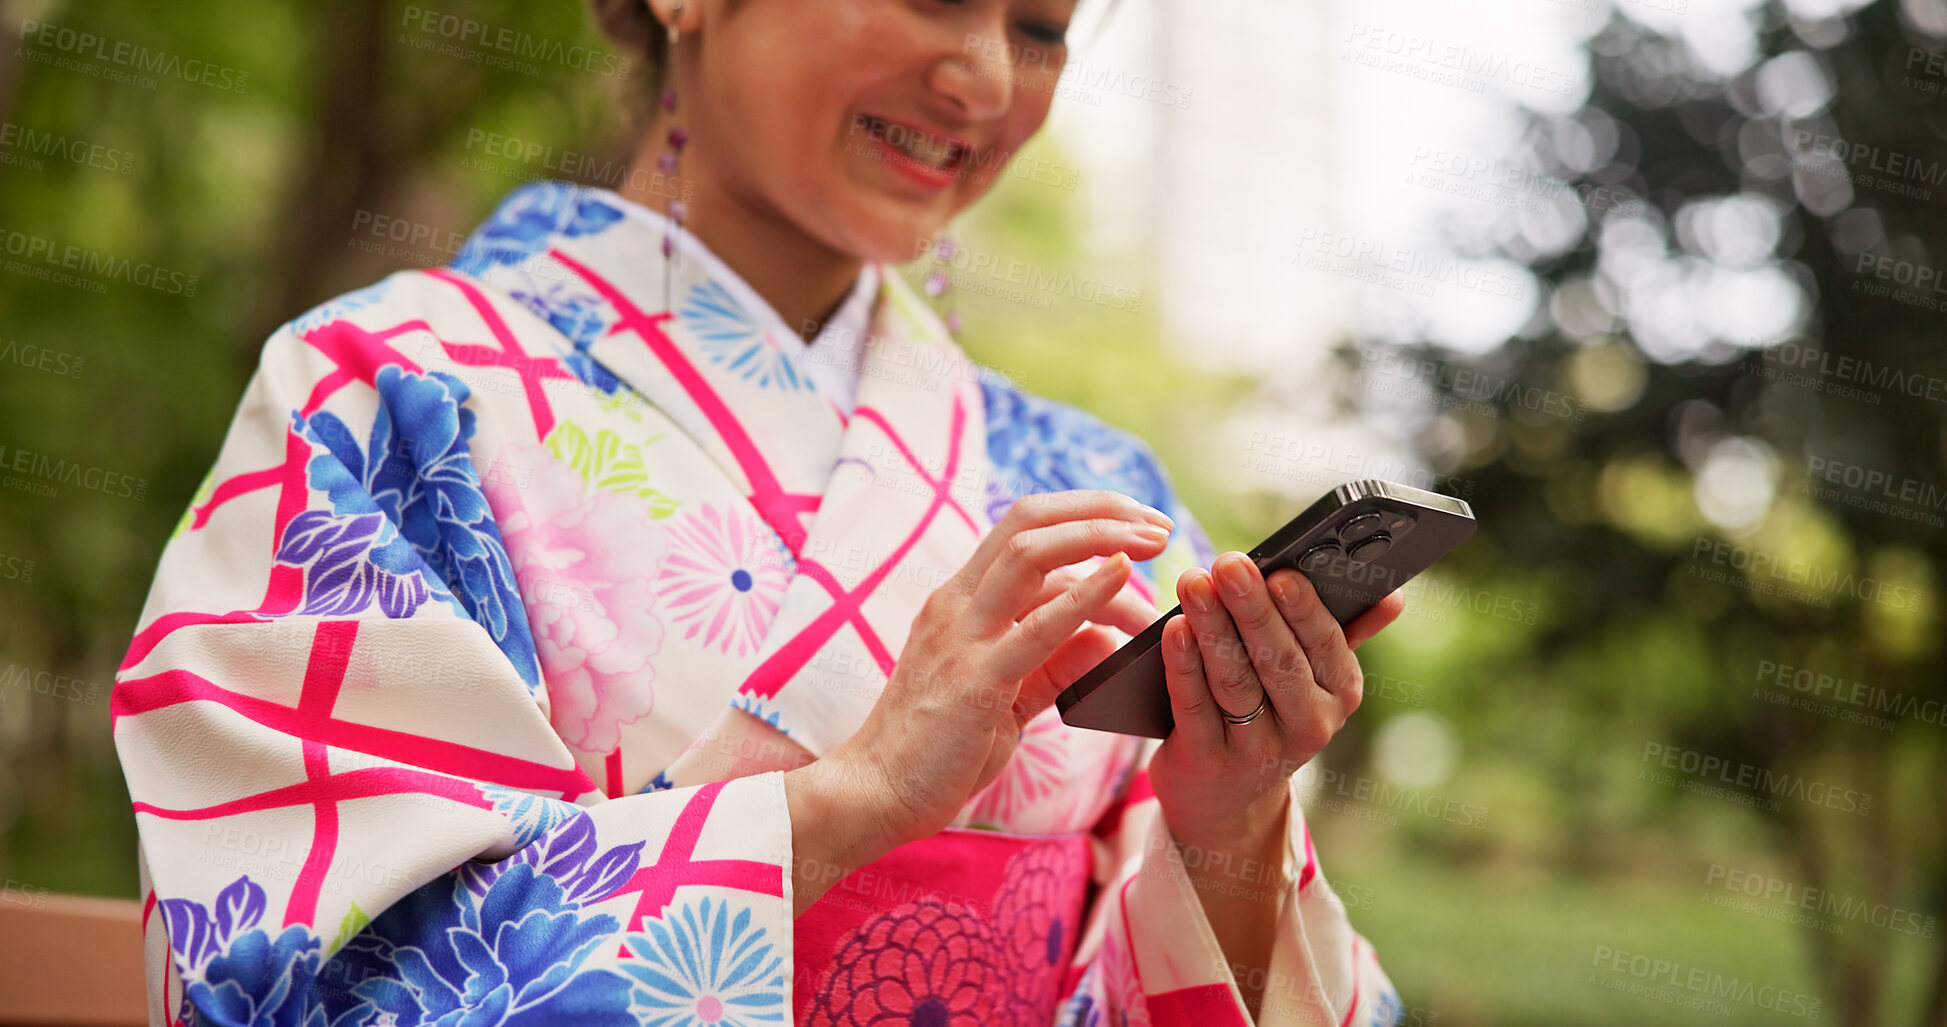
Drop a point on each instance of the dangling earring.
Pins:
(939, 283)
(667, 163)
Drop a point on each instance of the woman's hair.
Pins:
(633, 28)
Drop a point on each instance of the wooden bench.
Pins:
(71, 961)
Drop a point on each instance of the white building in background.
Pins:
(1206, 132)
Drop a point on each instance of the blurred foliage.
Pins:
(1647, 518)
(269, 195)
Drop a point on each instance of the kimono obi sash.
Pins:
(968, 926)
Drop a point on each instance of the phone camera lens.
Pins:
(1318, 558)
(1359, 527)
(1372, 548)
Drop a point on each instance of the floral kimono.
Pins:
(489, 549)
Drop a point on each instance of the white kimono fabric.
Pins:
(488, 548)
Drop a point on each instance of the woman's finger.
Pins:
(1282, 669)
(1044, 508)
(1029, 643)
(1332, 664)
(1375, 620)
(1127, 611)
(1197, 723)
(1084, 649)
(1226, 666)
(1015, 577)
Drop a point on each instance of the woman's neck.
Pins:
(801, 278)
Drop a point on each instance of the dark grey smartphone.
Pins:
(1356, 544)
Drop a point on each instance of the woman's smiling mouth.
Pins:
(929, 157)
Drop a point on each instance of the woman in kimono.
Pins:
(659, 623)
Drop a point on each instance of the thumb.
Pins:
(1088, 646)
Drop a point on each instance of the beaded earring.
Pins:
(667, 163)
(939, 283)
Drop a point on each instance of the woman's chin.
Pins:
(891, 237)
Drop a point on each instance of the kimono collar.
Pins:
(866, 511)
(832, 358)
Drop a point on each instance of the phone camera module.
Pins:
(1371, 548)
(1319, 558)
(1360, 526)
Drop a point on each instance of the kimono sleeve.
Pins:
(351, 805)
(1149, 953)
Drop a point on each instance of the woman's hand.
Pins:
(1240, 642)
(991, 649)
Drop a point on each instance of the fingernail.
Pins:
(1194, 596)
(1159, 516)
(1283, 588)
(1151, 532)
(1237, 580)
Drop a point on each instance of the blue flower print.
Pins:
(504, 943)
(730, 336)
(580, 316)
(349, 561)
(514, 956)
(233, 971)
(415, 469)
(530, 815)
(703, 967)
(527, 219)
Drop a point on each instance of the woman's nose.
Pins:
(978, 79)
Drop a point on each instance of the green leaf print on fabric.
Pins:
(606, 463)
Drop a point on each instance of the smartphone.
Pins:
(1356, 544)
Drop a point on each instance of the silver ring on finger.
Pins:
(1263, 700)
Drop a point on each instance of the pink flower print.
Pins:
(725, 576)
(1033, 773)
(1032, 919)
(929, 963)
(586, 563)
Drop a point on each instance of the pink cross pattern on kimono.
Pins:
(492, 553)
